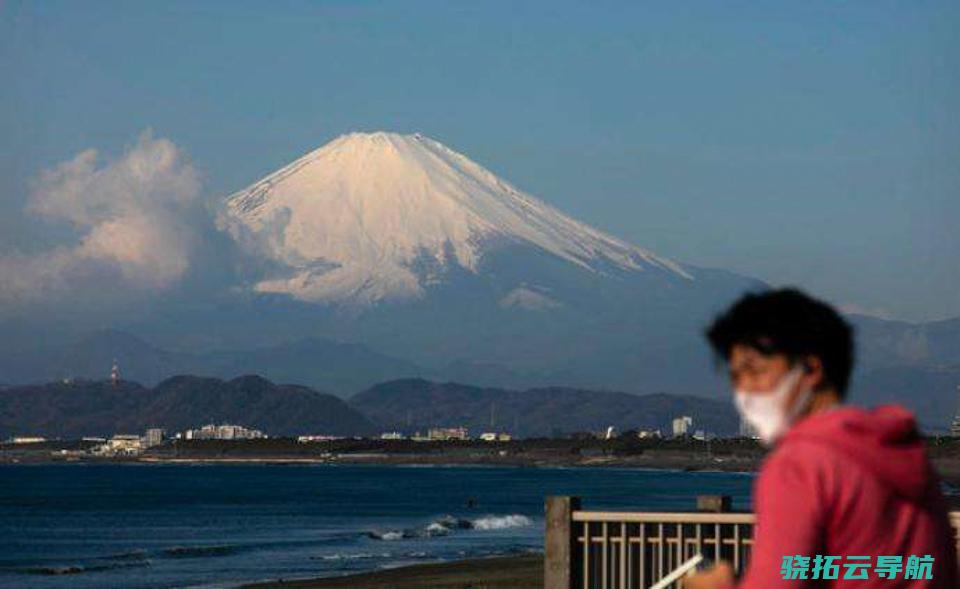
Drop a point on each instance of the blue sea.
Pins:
(145, 526)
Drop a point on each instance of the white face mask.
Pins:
(767, 412)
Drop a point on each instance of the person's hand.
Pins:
(719, 576)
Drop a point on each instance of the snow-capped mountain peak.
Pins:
(350, 221)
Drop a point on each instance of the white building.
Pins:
(27, 440)
(495, 437)
(392, 436)
(123, 445)
(153, 437)
(317, 438)
(448, 433)
(223, 432)
(682, 426)
(648, 434)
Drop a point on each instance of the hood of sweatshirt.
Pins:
(884, 439)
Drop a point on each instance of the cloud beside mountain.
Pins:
(136, 222)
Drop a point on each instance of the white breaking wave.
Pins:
(501, 522)
(448, 524)
(354, 556)
(437, 529)
(350, 221)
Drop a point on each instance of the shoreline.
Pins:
(652, 463)
(948, 469)
(697, 464)
(719, 455)
(496, 572)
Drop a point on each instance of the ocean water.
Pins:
(146, 526)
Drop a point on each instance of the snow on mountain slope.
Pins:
(351, 221)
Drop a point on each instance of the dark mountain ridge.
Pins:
(416, 404)
(98, 408)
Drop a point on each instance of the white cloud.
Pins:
(136, 221)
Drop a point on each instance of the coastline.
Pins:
(720, 456)
(674, 463)
(499, 572)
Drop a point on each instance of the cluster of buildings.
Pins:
(317, 438)
(119, 445)
(436, 434)
(221, 432)
(448, 434)
(683, 428)
(133, 444)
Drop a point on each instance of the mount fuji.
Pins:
(408, 246)
(381, 216)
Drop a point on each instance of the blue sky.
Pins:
(810, 143)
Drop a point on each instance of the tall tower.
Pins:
(955, 427)
(115, 373)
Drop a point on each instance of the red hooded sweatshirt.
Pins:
(850, 482)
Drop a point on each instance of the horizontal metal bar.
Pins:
(686, 518)
(664, 517)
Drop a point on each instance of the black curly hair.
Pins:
(790, 322)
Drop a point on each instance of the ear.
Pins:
(813, 376)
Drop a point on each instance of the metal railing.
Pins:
(634, 550)
(626, 550)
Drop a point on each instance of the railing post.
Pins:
(713, 503)
(559, 565)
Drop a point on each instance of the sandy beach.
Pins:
(514, 572)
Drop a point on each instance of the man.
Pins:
(841, 481)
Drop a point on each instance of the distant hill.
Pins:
(931, 393)
(95, 408)
(339, 368)
(335, 367)
(90, 357)
(417, 404)
(882, 343)
(916, 365)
